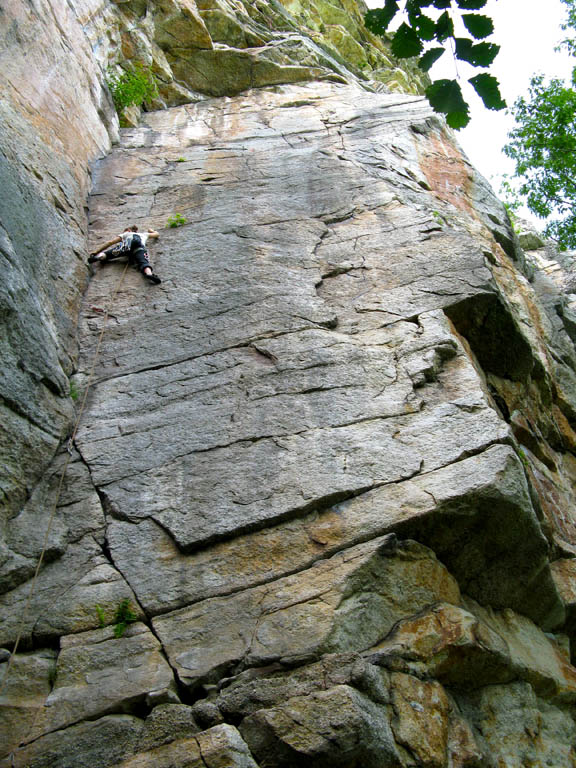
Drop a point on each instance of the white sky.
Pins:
(527, 31)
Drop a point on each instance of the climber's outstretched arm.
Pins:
(109, 244)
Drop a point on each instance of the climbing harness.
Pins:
(69, 446)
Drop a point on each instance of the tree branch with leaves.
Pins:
(427, 36)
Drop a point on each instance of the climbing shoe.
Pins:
(153, 278)
(93, 258)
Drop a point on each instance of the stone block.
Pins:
(339, 727)
(218, 747)
(101, 743)
(98, 674)
(344, 603)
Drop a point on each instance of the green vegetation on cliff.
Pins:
(133, 86)
(543, 146)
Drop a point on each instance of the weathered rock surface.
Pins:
(340, 604)
(90, 744)
(346, 710)
(337, 727)
(218, 47)
(54, 126)
(44, 175)
(468, 650)
(518, 728)
(329, 463)
(95, 673)
(218, 747)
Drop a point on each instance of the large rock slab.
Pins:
(25, 687)
(219, 48)
(90, 744)
(340, 727)
(345, 345)
(461, 508)
(246, 376)
(94, 675)
(265, 687)
(97, 674)
(77, 512)
(46, 150)
(286, 717)
(340, 604)
(67, 597)
(422, 719)
(480, 647)
(518, 728)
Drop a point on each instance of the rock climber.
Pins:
(131, 243)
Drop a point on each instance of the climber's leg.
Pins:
(140, 258)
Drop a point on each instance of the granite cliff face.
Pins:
(330, 460)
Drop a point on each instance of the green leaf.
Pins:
(486, 86)
(444, 27)
(479, 55)
(479, 26)
(442, 3)
(101, 615)
(457, 120)
(471, 5)
(406, 42)
(425, 26)
(413, 7)
(429, 58)
(446, 96)
(132, 86)
(378, 19)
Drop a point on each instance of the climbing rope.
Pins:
(70, 444)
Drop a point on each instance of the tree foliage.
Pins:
(424, 35)
(134, 85)
(543, 146)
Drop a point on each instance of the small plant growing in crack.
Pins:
(523, 458)
(176, 220)
(101, 615)
(74, 393)
(123, 616)
(52, 674)
(134, 85)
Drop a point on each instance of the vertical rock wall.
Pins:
(56, 118)
(329, 461)
(52, 126)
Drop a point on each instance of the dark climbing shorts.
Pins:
(138, 259)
